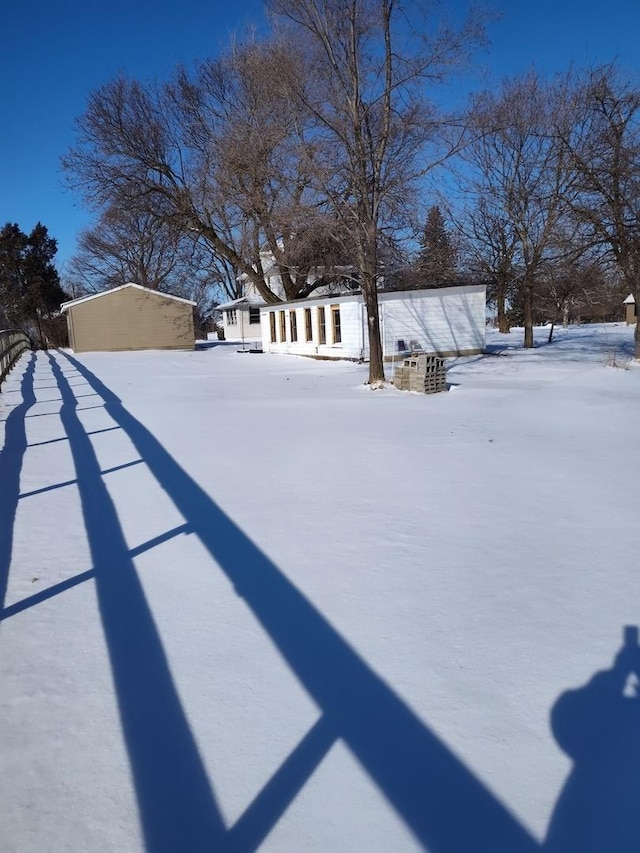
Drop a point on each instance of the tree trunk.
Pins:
(559, 309)
(528, 316)
(41, 338)
(503, 321)
(376, 360)
(637, 337)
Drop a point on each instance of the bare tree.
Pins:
(373, 124)
(250, 131)
(293, 154)
(217, 154)
(488, 252)
(567, 289)
(604, 146)
(127, 246)
(521, 179)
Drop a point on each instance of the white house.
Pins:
(241, 317)
(447, 321)
(241, 320)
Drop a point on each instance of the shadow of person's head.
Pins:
(598, 726)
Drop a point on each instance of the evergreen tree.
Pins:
(13, 244)
(437, 258)
(30, 290)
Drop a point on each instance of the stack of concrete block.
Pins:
(423, 373)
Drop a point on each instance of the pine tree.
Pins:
(437, 258)
(30, 290)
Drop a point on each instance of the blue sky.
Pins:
(53, 54)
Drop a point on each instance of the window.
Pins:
(272, 326)
(254, 316)
(283, 326)
(232, 319)
(322, 326)
(293, 326)
(335, 324)
(308, 327)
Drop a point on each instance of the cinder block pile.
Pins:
(424, 373)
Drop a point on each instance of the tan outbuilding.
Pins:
(130, 317)
(631, 310)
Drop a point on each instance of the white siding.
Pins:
(449, 321)
(354, 337)
(242, 329)
(350, 325)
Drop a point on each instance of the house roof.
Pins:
(629, 300)
(244, 300)
(233, 304)
(73, 302)
(383, 296)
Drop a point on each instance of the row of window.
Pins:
(278, 325)
(232, 316)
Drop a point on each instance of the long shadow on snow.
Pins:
(11, 458)
(176, 805)
(440, 800)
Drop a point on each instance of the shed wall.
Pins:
(447, 322)
(130, 319)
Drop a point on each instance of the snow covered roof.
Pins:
(244, 300)
(233, 304)
(80, 299)
(629, 300)
(383, 296)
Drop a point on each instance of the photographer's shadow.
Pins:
(598, 727)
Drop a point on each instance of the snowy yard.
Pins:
(249, 604)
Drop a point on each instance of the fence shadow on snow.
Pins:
(423, 781)
(445, 806)
(175, 801)
(11, 457)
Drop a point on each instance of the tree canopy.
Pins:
(437, 259)
(285, 156)
(30, 290)
(302, 158)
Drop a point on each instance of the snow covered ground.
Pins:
(250, 604)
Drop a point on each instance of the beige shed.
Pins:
(631, 310)
(130, 317)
